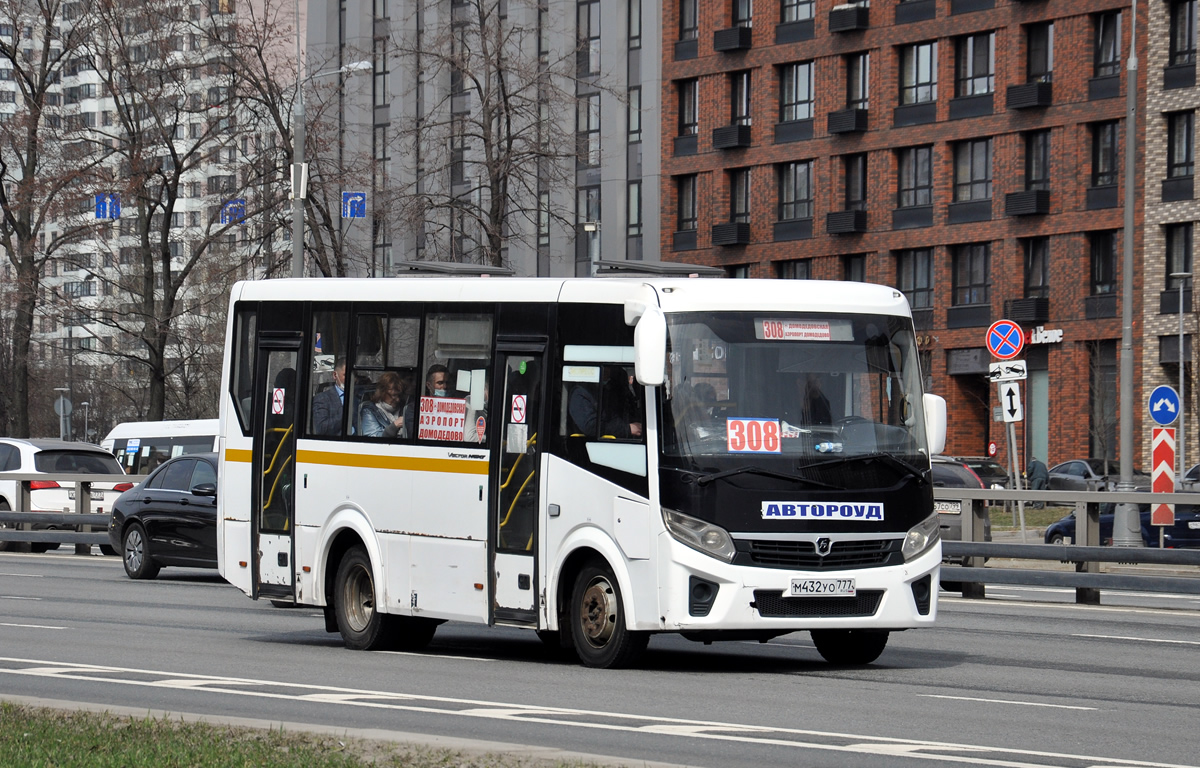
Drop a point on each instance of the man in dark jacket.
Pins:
(1039, 478)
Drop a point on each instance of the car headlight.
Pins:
(699, 535)
(920, 538)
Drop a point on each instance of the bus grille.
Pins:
(772, 605)
(802, 555)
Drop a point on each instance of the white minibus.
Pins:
(141, 446)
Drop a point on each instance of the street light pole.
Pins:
(85, 421)
(62, 411)
(1182, 277)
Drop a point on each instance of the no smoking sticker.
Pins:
(517, 415)
(277, 401)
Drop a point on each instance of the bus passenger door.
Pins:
(515, 487)
(274, 464)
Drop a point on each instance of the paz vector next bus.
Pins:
(596, 459)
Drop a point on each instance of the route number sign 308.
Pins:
(753, 435)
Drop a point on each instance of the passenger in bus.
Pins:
(619, 403)
(437, 384)
(328, 405)
(381, 415)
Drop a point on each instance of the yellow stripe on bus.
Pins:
(458, 466)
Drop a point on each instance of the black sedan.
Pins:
(170, 518)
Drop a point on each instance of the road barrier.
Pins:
(1086, 555)
(82, 527)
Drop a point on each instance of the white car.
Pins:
(56, 457)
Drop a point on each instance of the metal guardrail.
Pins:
(92, 526)
(1086, 579)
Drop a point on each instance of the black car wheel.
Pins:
(1057, 538)
(136, 554)
(598, 620)
(850, 647)
(4, 508)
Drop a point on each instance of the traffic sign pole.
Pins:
(1005, 340)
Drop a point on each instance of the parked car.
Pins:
(991, 472)
(951, 472)
(1185, 534)
(169, 519)
(56, 457)
(1092, 475)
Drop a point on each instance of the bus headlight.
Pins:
(921, 537)
(699, 535)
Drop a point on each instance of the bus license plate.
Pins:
(822, 588)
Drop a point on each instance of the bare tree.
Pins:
(43, 175)
(493, 129)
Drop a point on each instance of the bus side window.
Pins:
(326, 405)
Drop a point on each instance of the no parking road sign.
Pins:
(1005, 339)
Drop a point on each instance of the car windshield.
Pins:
(77, 462)
(798, 385)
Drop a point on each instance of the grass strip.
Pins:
(38, 737)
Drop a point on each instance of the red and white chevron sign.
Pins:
(1162, 478)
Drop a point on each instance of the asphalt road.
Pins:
(1023, 678)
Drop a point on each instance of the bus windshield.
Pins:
(752, 386)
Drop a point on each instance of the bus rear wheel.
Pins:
(363, 628)
(598, 621)
(849, 647)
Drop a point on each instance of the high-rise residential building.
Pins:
(524, 132)
(970, 153)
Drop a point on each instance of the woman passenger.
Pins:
(383, 414)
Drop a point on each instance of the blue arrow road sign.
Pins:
(1164, 405)
(234, 211)
(354, 205)
(108, 206)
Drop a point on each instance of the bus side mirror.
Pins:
(650, 348)
(935, 422)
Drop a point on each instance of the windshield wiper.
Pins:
(751, 469)
(887, 458)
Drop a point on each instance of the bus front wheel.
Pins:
(363, 628)
(851, 647)
(598, 621)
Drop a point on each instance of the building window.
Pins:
(854, 267)
(1183, 32)
(1108, 44)
(970, 273)
(1181, 159)
(635, 24)
(801, 269)
(1105, 158)
(543, 221)
(796, 10)
(739, 98)
(914, 276)
(686, 192)
(1037, 268)
(795, 191)
(633, 214)
(973, 170)
(588, 131)
(918, 73)
(796, 91)
(689, 28)
(382, 94)
(1103, 246)
(689, 107)
(858, 77)
(1039, 63)
(743, 13)
(1179, 254)
(975, 64)
(916, 177)
(587, 213)
(856, 181)
(634, 127)
(587, 55)
(739, 196)
(1037, 160)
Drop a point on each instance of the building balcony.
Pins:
(1099, 306)
(850, 120)
(1027, 312)
(1029, 95)
(794, 31)
(731, 136)
(914, 114)
(1028, 202)
(793, 130)
(731, 233)
(1168, 301)
(912, 217)
(971, 106)
(1179, 188)
(849, 18)
(846, 222)
(970, 6)
(684, 240)
(794, 229)
(1102, 197)
(969, 316)
(733, 39)
(685, 145)
(909, 11)
(968, 211)
(1179, 76)
(1105, 87)
(687, 49)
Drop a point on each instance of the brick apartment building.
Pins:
(968, 152)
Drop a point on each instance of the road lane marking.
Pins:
(1007, 701)
(1139, 639)
(29, 626)
(440, 706)
(17, 597)
(24, 575)
(435, 655)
